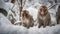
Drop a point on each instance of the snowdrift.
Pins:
(7, 28)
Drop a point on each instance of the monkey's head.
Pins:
(43, 10)
(24, 13)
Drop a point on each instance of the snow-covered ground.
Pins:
(7, 28)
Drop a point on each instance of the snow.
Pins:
(33, 12)
(7, 28)
(15, 9)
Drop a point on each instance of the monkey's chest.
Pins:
(26, 21)
(42, 18)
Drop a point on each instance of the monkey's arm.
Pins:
(31, 21)
(39, 22)
(47, 20)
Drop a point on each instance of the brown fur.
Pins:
(43, 20)
(28, 18)
(58, 15)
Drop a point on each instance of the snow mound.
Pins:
(7, 28)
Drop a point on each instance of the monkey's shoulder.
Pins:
(48, 14)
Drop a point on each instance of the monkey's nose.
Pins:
(42, 13)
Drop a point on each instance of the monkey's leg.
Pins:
(44, 24)
(24, 25)
(57, 21)
(49, 24)
(32, 24)
(39, 25)
(28, 26)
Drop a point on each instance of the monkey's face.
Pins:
(42, 11)
(24, 15)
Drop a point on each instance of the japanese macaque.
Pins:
(58, 15)
(43, 17)
(27, 19)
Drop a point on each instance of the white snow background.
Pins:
(7, 28)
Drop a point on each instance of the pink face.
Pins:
(42, 11)
(24, 15)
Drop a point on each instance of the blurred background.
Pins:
(12, 14)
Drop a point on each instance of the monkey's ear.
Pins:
(3, 11)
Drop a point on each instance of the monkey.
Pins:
(43, 17)
(27, 19)
(58, 15)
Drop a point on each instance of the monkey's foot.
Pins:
(44, 26)
(39, 26)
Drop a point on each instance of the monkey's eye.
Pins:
(24, 15)
(43, 9)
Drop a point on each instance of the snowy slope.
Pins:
(7, 28)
